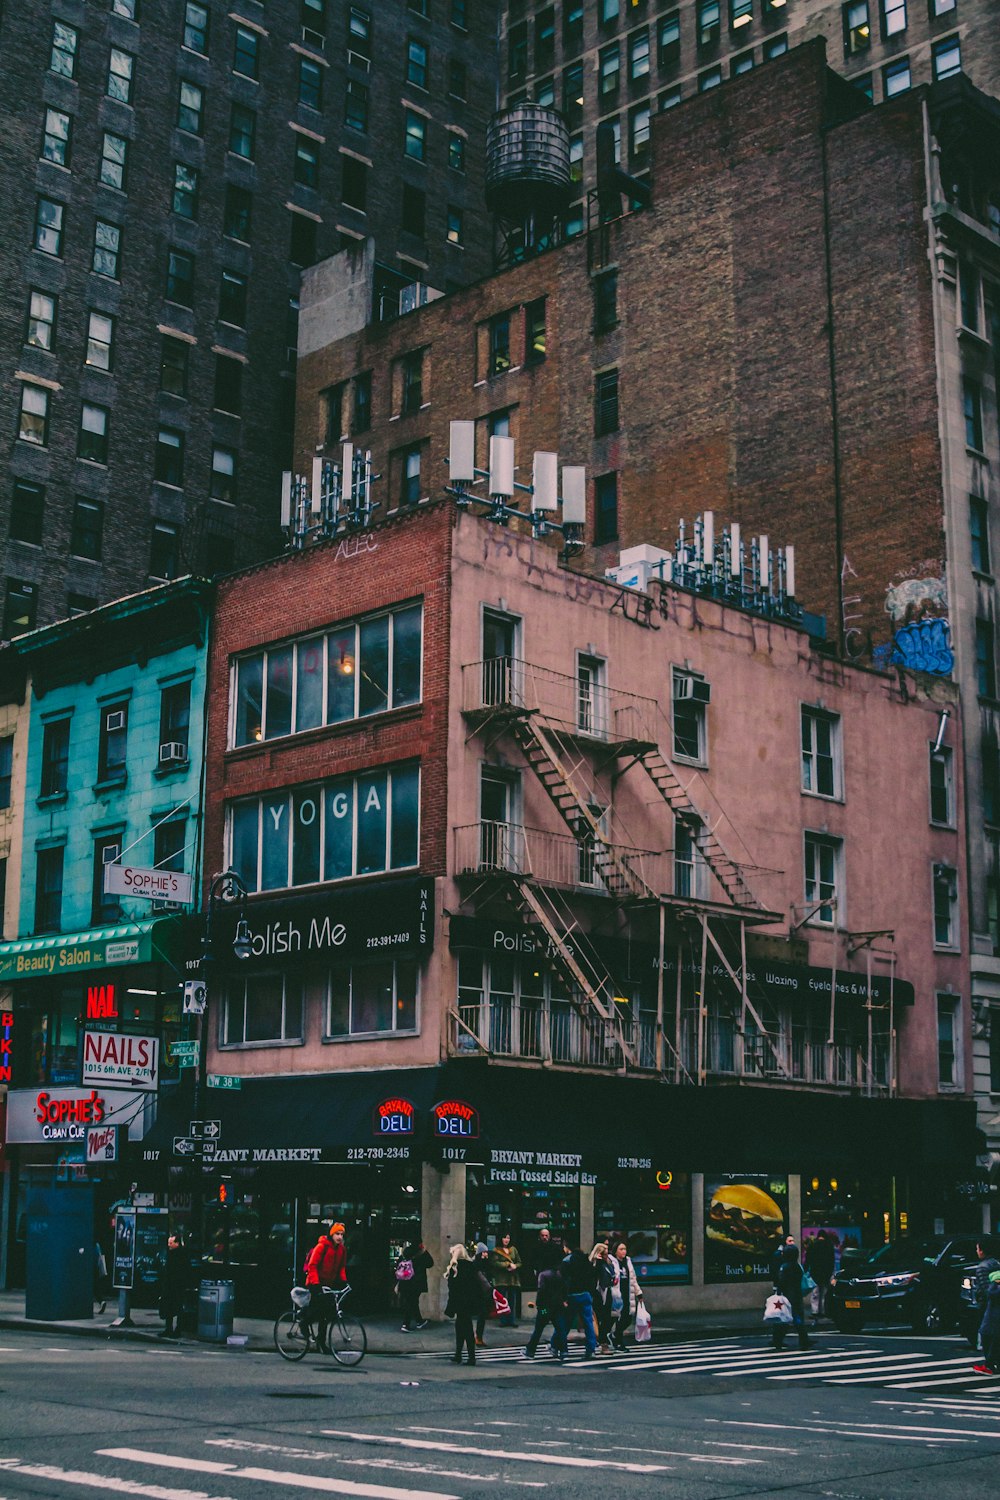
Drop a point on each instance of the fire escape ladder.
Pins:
(618, 878)
(726, 871)
(736, 969)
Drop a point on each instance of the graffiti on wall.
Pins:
(916, 601)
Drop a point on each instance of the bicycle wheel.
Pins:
(347, 1340)
(290, 1338)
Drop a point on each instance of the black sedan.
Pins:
(918, 1282)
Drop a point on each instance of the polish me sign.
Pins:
(128, 1061)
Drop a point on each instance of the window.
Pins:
(545, 39)
(173, 373)
(359, 31)
(777, 46)
(605, 508)
(175, 714)
(332, 830)
(638, 54)
(262, 1008)
(27, 508)
(545, 93)
(968, 300)
(121, 66)
(87, 533)
(190, 103)
(62, 58)
(499, 346)
(48, 889)
(945, 883)
(33, 423)
(56, 137)
(517, 52)
(409, 475)
(114, 158)
(608, 11)
(412, 369)
(691, 875)
(414, 211)
(979, 534)
(228, 384)
(691, 695)
(415, 144)
(100, 340)
(242, 131)
(591, 695)
(49, 226)
(821, 757)
(949, 1056)
(941, 7)
(55, 758)
(362, 402)
(740, 14)
(576, 153)
(896, 77)
(372, 999)
(19, 608)
(105, 906)
(233, 299)
(127, 8)
(893, 17)
(332, 408)
(986, 667)
(237, 213)
(223, 482)
(306, 165)
(946, 57)
(605, 402)
(822, 872)
(416, 63)
(605, 286)
(356, 105)
(41, 320)
(534, 332)
(741, 64)
(709, 23)
(638, 132)
(310, 84)
(6, 768)
(972, 407)
(458, 13)
(455, 223)
(710, 79)
(79, 604)
(354, 183)
(857, 27)
(164, 551)
(195, 35)
(358, 669)
(419, 7)
(609, 72)
(246, 53)
(92, 439)
(169, 462)
(169, 845)
(456, 152)
(107, 249)
(572, 25)
(112, 742)
(573, 95)
(669, 98)
(457, 81)
(942, 786)
(180, 278)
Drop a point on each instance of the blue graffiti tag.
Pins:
(924, 646)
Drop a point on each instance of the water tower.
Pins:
(528, 183)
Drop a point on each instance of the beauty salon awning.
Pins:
(153, 941)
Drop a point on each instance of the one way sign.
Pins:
(184, 1145)
(205, 1129)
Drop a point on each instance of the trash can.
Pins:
(215, 1310)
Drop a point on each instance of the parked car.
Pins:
(919, 1282)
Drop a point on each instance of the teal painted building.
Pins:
(113, 785)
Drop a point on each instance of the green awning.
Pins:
(96, 948)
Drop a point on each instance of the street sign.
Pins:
(186, 1145)
(205, 1129)
(185, 1053)
(102, 1142)
(224, 1081)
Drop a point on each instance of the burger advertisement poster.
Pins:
(745, 1219)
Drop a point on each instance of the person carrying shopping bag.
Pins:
(630, 1294)
(505, 1274)
(600, 1259)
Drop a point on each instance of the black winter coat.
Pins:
(469, 1293)
(579, 1274)
(789, 1283)
(422, 1262)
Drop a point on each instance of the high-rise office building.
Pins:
(168, 170)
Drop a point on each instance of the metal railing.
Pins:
(550, 1031)
(792, 1053)
(553, 858)
(582, 707)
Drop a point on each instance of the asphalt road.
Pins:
(861, 1418)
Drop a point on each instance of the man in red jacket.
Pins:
(326, 1265)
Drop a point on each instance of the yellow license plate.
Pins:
(851, 1304)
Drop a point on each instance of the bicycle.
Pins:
(346, 1338)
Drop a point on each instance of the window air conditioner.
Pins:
(695, 688)
(172, 752)
(110, 853)
(115, 720)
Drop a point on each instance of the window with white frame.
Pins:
(360, 668)
(591, 695)
(372, 999)
(262, 1008)
(949, 1042)
(823, 879)
(893, 17)
(328, 830)
(821, 760)
(691, 695)
(691, 875)
(942, 786)
(945, 899)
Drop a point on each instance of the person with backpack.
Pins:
(552, 1306)
(411, 1283)
(326, 1266)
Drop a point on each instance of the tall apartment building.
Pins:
(624, 61)
(168, 169)
(766, 343)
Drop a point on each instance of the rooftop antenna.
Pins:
(333, 500)
(503, 488)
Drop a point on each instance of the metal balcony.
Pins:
(506, 685)
(550, 1031)
(554, 859)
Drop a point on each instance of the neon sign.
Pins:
(453, 1117)
(393, 1117)
(664, 1181)
(6, 1044)
(102, 1004)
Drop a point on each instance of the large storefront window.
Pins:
(262, 1008)
(494, 1209)
(651, 1211)
(370, 999)
(331, 830)
(855, 1213)
(364, 667)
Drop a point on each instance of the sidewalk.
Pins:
(384, 1335)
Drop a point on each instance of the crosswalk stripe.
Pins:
(55, 1475)
(852, 1373)
(331, 1485)
(561, 1460)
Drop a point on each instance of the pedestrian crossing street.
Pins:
(833, 1361)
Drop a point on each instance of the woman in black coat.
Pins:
(412, 1288)
(468, 1295)
(788, 1281)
